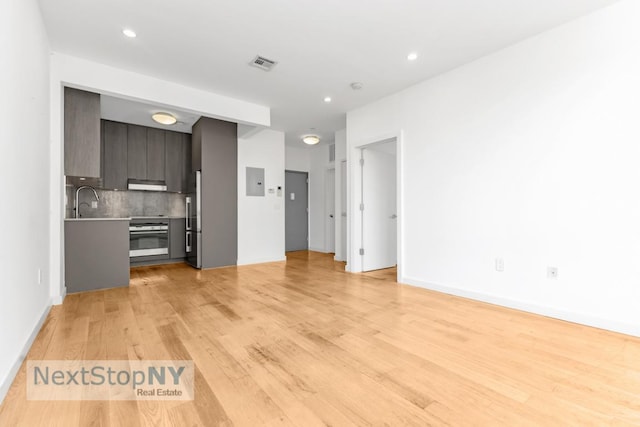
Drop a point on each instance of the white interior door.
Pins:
(343, 214)
(330, 192)
(379, 223)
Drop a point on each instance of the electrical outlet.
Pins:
(552, 272)
(499, 264)
(94, 204)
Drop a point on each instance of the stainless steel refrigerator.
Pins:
(194, 220)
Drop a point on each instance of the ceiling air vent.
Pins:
(263, 63)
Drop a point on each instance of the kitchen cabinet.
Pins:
(177, 230)
(178, 161)
(137, 152)
(114, 155)
(155, 154)
(215, 147)
(81, 133)
(96, 254)
(174, 161)
(187, 169)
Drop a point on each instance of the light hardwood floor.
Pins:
(306, 344)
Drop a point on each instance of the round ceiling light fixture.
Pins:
(412, 56)
(164, 118)
(311, 139)
(356, 85)
(129, 33)
(327, 99)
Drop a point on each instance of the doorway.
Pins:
(296, 214)
(379, 206)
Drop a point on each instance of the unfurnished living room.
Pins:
(320, 213)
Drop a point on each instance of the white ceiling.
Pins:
(321, 46)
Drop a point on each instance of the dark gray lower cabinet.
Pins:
(96, 254)
(177, 248)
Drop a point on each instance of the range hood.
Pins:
(146, 185)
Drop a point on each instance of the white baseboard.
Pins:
(6, 384)
(59, 299)
(321, 250)
(260, 260)
(569, 316)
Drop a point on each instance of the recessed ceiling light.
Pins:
(164, 118)
(412, 56)
(129, 33)
(311, 139)
(327, 99)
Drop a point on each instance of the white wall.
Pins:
(84, 74)
(24, 172)
(530, 154)
(261, 219)
(297, 158)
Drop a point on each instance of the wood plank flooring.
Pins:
(303, 343)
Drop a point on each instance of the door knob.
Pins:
(331, 216)
(394, 216)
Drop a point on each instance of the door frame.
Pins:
(354, 187)
(285, 207)
(329, 196)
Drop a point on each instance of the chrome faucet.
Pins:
(76, 207)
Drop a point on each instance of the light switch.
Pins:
(94, 204)
(293, 196)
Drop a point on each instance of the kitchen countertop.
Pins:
(97, 219)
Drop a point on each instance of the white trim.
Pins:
(321, 250)
(354, 234)
(11, 375)
(261, 260)
(569, 316)
(59, 299)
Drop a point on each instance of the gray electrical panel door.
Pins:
(296, 215)
(255, 182)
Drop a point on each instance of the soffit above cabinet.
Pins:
(139, 113)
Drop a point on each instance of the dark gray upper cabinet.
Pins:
(174, 161)
(186, 161)
(177, 238)
(81, 133)
(137, 151)
(114, 157)
(156, 154)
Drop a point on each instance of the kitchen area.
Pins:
(138, 194)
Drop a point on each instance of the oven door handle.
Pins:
(139, 233)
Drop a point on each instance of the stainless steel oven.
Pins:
(149, 239)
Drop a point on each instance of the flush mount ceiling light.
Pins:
(412, 56)
(164, 118)
(356, 85)
(327, 99)
(311, 139)
(129, 33)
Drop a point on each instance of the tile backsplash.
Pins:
(122, 204)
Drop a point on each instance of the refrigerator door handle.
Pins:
(188, 240)
(188, 214)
